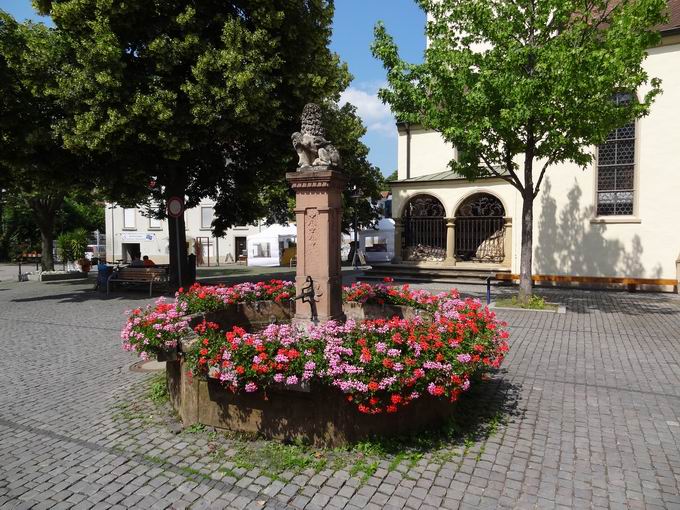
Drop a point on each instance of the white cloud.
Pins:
(384, 128)
(376, 116)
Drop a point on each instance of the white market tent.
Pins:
(378, 243)
(266, 248)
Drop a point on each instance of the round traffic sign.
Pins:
(175, 207)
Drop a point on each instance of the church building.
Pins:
(613, 223)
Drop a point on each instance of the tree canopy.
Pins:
(514, 83)
(194, 99)
(345, 129)
(37, 169)
(198, 98)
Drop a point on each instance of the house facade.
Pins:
(132, 231)
(613, 222)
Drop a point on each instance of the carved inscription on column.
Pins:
(311, 231)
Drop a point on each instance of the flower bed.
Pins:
(209, 298)
(385, 294)
(156, 330)
(380, 365)
(433, 350)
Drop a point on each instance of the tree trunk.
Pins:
(44, 210)
(526, 284)
(526, 251)
(178, 257)
(47, 236)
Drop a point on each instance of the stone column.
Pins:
(318, 213)
(398, 232)
(507, 243)
(450, 242)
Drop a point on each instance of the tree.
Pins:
(194, 99)
(394, 176)
(37, 168)
(519, 86)
(18, 229)
(345, 129)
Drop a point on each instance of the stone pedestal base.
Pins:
(318, 213)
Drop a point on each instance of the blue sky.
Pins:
(352, 38)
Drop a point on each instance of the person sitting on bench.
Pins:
(136, 262)
(148, 262)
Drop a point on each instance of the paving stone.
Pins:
(589, 398)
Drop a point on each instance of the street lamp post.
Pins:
(113, 234)
(356, 196)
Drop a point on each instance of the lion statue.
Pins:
(310, 142)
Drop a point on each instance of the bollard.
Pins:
(488, 290)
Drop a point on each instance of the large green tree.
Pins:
(19, 231)
(37, 169)
(345, 129)
(520, 86)
(194, 99)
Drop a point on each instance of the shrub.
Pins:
(72, 245)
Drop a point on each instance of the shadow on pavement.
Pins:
(480, 411)
(87, 294)
(621, 302)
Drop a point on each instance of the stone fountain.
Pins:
(318, 184)
(314, 413)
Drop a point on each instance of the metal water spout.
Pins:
(307, 295)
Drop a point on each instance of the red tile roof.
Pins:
(673, 17)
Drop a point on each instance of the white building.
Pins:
(613, 223)
(130, 231)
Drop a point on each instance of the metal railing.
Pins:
(425, 238)
(480, 238)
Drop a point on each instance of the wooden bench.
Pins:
(139, 275)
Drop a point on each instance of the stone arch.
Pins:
(408, 199)
(469, 196)
(423, 205)
(480, 228)
(424, 228)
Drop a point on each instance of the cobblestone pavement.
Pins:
(590, 402)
